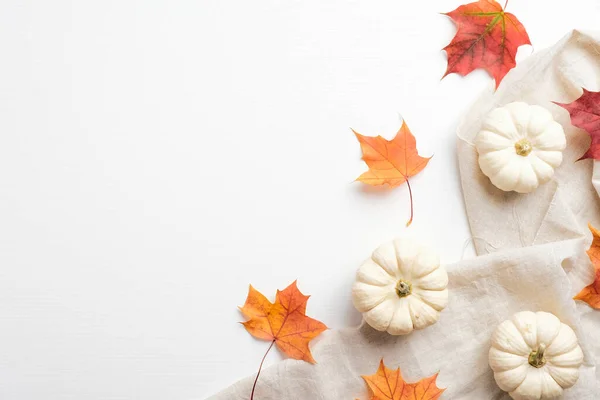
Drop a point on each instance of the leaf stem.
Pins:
(411, 203)
(505, 4)
(259, 369)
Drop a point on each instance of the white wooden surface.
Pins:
(158, 156)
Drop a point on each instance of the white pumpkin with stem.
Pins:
(534, 356)
(401, 287)
(519, 146)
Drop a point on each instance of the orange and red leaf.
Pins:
(487, 37)
(283, 322)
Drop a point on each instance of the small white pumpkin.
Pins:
(401, 287)
(534, 356)
(519, 147)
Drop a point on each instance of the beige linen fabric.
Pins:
(561, 209)
(537, 262)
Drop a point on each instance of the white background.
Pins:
(156, 157)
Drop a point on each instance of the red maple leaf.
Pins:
(487, 37)
(585, 114)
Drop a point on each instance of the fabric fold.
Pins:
(558, 210)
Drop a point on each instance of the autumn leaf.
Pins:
(591, 294)
(487, 37)
(585, 114)
(284, 323)
(391, 162)
(389, 385)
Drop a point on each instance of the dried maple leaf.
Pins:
(591, 294)
(389, 385)
(391, 162)
(487, 37)
(284, 323)
(585, 114)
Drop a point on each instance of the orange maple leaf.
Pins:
(284, 323)
(391, 162)
(487, 37)
(591, 293)
(389, 385)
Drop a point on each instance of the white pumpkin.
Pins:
(534, 356)
(401, 287)
(519, 147)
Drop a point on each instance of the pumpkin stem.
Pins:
(523, 147)
(536, 357)
(403, 288)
